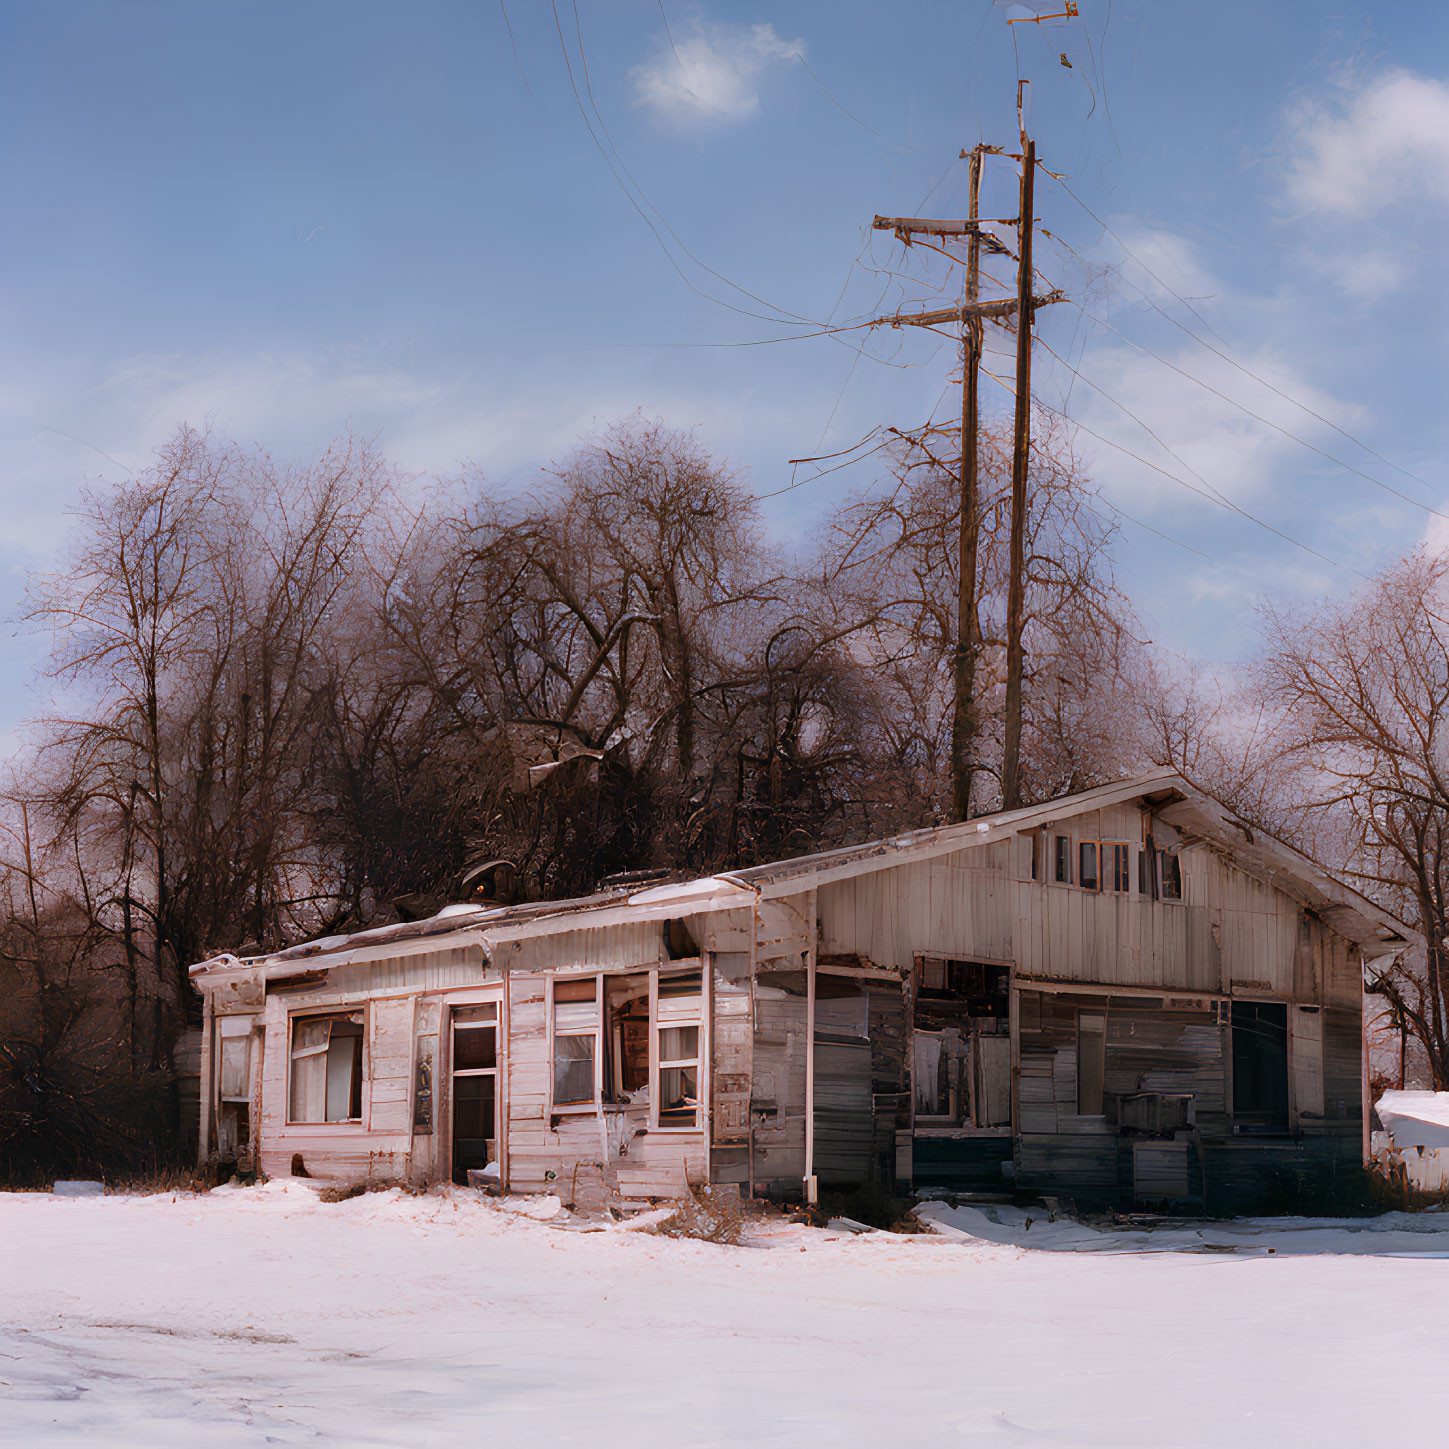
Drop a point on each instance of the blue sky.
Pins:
(292, 218)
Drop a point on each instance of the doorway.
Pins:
(474, 1094)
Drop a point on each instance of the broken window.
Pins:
(1169, 875)
(1260, 1066)
(628, 1040)
(628, 1067)
(1064, 859)
(679, 942)
(1091, 1062)
(575, 1041)
(960, 1057)
(326, 1063)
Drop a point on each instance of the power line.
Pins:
(1267, 422)
(1248, 372)
(1208, 491)
(629, 196)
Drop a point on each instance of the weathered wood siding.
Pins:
(1231, 933)
(379, 1148)
(1174, 967)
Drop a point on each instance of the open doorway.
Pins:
(474, 1085)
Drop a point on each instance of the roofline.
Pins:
(492, 926)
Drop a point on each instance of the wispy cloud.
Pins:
(1367, 171)
(713, 73)
(1353, 152)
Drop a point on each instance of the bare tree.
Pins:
(889, 557)
(1360, 691)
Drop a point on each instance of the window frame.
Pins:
(1121, 855)
(1062, 873)
(364, 1062)
(494, 1024)
(605, 1051)
(1163, 856)
(1256, 1121)
(1113, 861)
(556, 1107)
(658, 1066)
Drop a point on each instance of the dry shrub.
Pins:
(710, 1214)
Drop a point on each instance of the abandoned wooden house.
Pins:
(1122, 996)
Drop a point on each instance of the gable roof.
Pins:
(1196, 815)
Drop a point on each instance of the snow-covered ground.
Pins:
(257, 1316)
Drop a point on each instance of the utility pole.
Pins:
(972, 313)
(963, 713)
(1020, 458)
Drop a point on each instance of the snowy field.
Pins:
(256, 1316)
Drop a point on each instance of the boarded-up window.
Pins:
(1091, 1062)
(326, 1068)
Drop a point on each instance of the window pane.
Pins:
(474, 1047)
(344, 1073)
(1121, 880)
(679, 1044)
(678, 1096)
(1064, 859)
(1171, 875)
(235, 1066)
(463, 1015)
(311, 1033)
(575, 1015)
(573, 1069)
(1087, 865)
(309, 1089)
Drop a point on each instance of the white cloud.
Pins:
(712, 74)
(1229, 451)
(1365, 148)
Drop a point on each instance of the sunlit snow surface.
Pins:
(263, 1316)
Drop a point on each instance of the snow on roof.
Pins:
(1416, 1119)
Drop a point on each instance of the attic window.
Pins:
(1104, 865)
(1169, 875)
